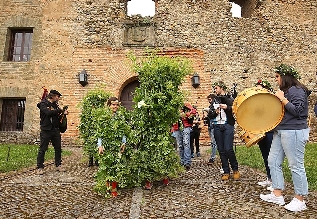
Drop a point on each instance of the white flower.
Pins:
(119, 155)
(141, 103)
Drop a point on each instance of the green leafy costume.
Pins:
(114, 165)
(158, 100)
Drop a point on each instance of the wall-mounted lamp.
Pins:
(195, 80)
(83, 78)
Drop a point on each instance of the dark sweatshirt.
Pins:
(49, 113)
(296, 110)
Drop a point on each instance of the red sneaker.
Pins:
(165, 181)
(114, 194)
(148, 185)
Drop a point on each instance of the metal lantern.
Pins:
(195, 80)
(83, 78)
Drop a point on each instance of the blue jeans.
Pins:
(213, 144)
(179, 139)
(184, 147)
(289, 143)
(224, 135)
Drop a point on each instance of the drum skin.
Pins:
(257, 110)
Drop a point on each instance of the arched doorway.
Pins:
(127, 94)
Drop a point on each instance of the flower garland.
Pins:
(264, 83)
(284, 70)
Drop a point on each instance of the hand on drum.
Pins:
(279, 94)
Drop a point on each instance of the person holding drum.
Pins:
(221, 113)
(265, 143)
(289, 139)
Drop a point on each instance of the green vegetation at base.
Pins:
(15, 157)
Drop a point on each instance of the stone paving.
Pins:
(198, 193)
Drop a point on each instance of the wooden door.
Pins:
(127, 94)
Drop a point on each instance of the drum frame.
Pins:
(252, 137)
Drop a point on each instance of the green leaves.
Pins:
(92, 112)
(284, 70)
(149, 153)
(160, 78)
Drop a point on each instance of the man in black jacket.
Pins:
(49, 114)
(221, 113)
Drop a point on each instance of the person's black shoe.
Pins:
(91, 161)
(187, 167)
(211, 161)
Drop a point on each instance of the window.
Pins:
(12, 115)
(141, 7)
(20, 45)
(235, 10)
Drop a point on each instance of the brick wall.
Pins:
(69, 36)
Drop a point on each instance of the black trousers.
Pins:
(265, 146)
(194, 137)
(55, 137)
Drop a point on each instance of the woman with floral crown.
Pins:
(289, 139)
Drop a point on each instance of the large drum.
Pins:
(251, 139)
(257, 111)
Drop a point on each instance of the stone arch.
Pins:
(127, 91)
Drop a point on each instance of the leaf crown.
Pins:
(220, 84)
(284, 70)
(264, 83)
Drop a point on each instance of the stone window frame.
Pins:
(19, 44)
(12, 114)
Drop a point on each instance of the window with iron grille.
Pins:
(20, 45)
(12, 115)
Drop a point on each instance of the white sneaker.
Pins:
(270, 188)
(273, 199)
(265, 183)
(296, 205)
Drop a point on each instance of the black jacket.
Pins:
(49, 114)
(223, 100)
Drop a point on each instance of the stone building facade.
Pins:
(68, 36)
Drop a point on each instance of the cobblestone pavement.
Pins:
(198, 193)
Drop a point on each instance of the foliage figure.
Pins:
(159, 100)
(115, 164)
(94, 100)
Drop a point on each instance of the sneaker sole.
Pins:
(295, 211)
(272, 201)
